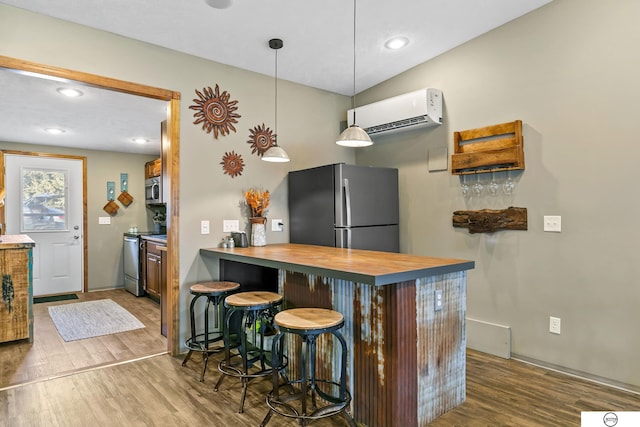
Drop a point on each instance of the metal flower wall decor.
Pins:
(232, 164)
(215, 111)
(261, 139)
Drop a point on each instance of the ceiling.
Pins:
(318, 52)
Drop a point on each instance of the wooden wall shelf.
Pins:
(488, 149)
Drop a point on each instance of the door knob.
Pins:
(75, 227)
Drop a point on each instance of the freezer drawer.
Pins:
(383, 238)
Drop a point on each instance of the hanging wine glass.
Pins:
(509, 185)
(478, 188)
(493, 185)
(464, 187)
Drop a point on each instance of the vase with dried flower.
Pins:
(258, 202)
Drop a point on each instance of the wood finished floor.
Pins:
(49, 355)
(158, 391)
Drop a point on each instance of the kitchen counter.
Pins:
(16, 305)
(369, 267)
(404, 322)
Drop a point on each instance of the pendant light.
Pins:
(275, 153)
(354, 135)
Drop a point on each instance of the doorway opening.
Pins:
(170, 158)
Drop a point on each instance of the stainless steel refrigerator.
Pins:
(345, 206)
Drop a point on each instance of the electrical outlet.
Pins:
(553, 223)
(438, 300)
(229, 225)
(554, 325)
(204, 227)
(277, 225)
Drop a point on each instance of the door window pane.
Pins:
(44, 200)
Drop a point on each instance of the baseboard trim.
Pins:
(490, 338)
(619, 385)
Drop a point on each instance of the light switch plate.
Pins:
(277, 225)
(553, 223)
(229, 225)
(104, 220)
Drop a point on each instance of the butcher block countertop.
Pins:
(369, 267)
(16, 241)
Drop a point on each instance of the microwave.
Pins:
(153, 190)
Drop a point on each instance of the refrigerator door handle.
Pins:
(348, 238)
(347, 198)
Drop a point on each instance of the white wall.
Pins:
(569, 72)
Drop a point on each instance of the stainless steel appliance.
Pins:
(132, 263)
(345, 206)
(153, 190)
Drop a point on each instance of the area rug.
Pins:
(89, 319)
(52, 298)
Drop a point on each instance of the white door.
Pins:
(44, 200)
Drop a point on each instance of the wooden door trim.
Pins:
(172, 156)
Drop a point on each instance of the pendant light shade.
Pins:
(274, 153)
(354, 135)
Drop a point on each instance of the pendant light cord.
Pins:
(276, 100)
(353, 98)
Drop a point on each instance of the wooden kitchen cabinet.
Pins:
(154, 273)
(153, 261)
(153, 168)
(16, 303)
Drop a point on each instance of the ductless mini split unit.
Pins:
(422, 108)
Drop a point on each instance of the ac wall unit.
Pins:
(422, 108)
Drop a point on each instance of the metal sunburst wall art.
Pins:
(215, 111)
(232, 164)
(261, 139)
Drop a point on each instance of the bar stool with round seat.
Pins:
(302, 404)
(201, 342)
(250, 316)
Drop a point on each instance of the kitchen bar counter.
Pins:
(369, 267)
(404, 323)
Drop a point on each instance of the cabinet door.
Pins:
(153, 275)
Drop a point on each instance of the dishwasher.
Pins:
(132, 278)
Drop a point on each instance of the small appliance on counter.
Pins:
(240, 239)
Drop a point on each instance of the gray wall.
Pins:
(104, 251)
(569, 72)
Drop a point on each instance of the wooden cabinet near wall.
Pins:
(153, 261)
(153, 168)
(16, 305)
(155, 276)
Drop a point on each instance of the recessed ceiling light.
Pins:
(140, 140)
(219, 4)
(71, 93)
(396, 43)
(54, 131)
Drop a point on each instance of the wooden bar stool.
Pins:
(214, 292)
(255, 311)
(302, 404)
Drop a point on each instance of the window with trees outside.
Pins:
(44, 200)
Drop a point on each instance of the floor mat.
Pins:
(37, 300)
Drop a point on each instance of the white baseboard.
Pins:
(489, 338)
